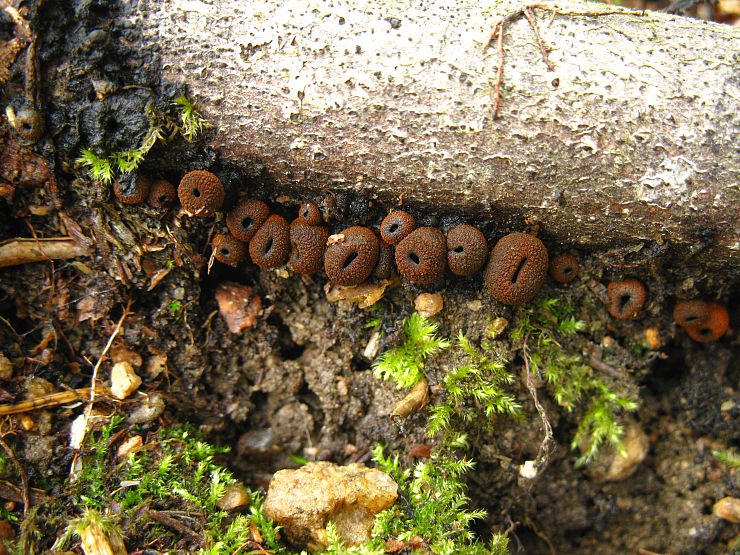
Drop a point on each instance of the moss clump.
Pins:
(433, 517)
(163, 127)
(405, 363)
(175, 473)
(475, 391)
(571, 381)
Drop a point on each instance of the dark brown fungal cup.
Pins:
(270, 246)
(421, 257)
(352, 257)
(396, 225)
(201, 193)
(564, 268)
(307, 245)
(467, 250)
(132, 188)
(516, 268)
(246, 217)
(626, 298)
(162, 194)
(228, 249)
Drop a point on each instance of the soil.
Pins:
(297, 383)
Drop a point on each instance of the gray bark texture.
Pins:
(633, 136)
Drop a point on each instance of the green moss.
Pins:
(475, 391)
(163, 127)
(405, 363)
(433, 512)
(571, 381)
(727, 457)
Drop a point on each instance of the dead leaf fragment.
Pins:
(365, 294)
(238, 305)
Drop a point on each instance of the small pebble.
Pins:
(728, 508)
(235, 498)
(150, 409)
(123, 380)
(428, 304)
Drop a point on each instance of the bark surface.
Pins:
(633, 136)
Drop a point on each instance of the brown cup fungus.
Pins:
(421, 257)
(307, 244)
(467, 250)
(228, 249)
(309, 214)
(132, 188)
(162, 194)
(244, 219)
(270, 246)
(626, 298)
(516, 268)
(201, 193)
(564, 268)
(351, 256)
(396, 225)
(704, 322)
(384, 266)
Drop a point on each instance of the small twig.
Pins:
(24, 476)
(597, 364)
(176, 525)
(11, 492)
(540, 534)
(546, 446)
(25, 251)
(52, 400)
(96, 368)
(527, 12)
(253, 543)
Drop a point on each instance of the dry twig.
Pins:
(51, 400)
(14, 252)
(528, 13)
(548, 442)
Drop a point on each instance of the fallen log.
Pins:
(610, 127)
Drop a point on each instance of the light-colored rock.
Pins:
(612, 466)
(235, 498)
(428, 304)
(123, 380)
(303, 501)
(728, 508)
(150, 408)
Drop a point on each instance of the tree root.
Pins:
(528, 13)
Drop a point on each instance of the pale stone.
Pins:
(612, 466)
(303, 501)
(235, 498)
(428, 304)
(728, 508)
(123, 380)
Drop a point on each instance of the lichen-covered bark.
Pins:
(633, 136)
